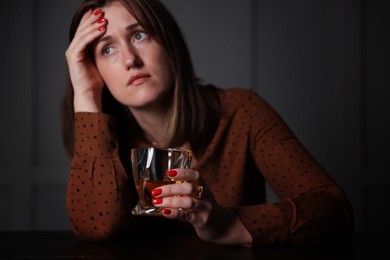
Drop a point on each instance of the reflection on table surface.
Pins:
(63, 244)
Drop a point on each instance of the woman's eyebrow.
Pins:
(109, 37)
(132, 26)
(103, 39)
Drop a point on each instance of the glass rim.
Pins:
(162, 149)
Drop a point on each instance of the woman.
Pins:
(132, 84)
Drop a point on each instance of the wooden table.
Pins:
(64, 245)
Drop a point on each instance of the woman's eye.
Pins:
(139, 36)
(107, 51)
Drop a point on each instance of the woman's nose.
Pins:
(132, 59)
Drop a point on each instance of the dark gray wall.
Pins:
(323, 64)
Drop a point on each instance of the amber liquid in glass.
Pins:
(146, 194)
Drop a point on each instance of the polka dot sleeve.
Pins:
(254, 146)
(98, 199)
(312, 206)
(94, 135)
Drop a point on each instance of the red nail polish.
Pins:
(166, 211)
(156, 192)
(101, 20)
(172, 173)
(102, 28)
(97, 12)
(157, 201)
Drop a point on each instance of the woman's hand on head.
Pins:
(192, 201)
(86, 80)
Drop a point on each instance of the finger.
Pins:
(89, 18)
(93, 21)
(84, 37)
(185, 203)
(94, 30)
(179, 189)
(183, 215)
(184, 175)
(87, 15)
(194, 218)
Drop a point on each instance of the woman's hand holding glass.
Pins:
(192, 201)
(86, 80)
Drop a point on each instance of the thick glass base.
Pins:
(140, 210)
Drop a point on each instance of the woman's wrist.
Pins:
(90, 102)
(236, 233)
(226, 229)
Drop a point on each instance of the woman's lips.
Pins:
(138, 79)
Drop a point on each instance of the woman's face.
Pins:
(133, 65)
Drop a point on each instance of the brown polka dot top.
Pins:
(251, 146)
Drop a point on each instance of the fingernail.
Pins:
(101, 20)
(157, 201)
(102, 28)
(97, 12)
(166, 211)
(172, 173)
(156, 192)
